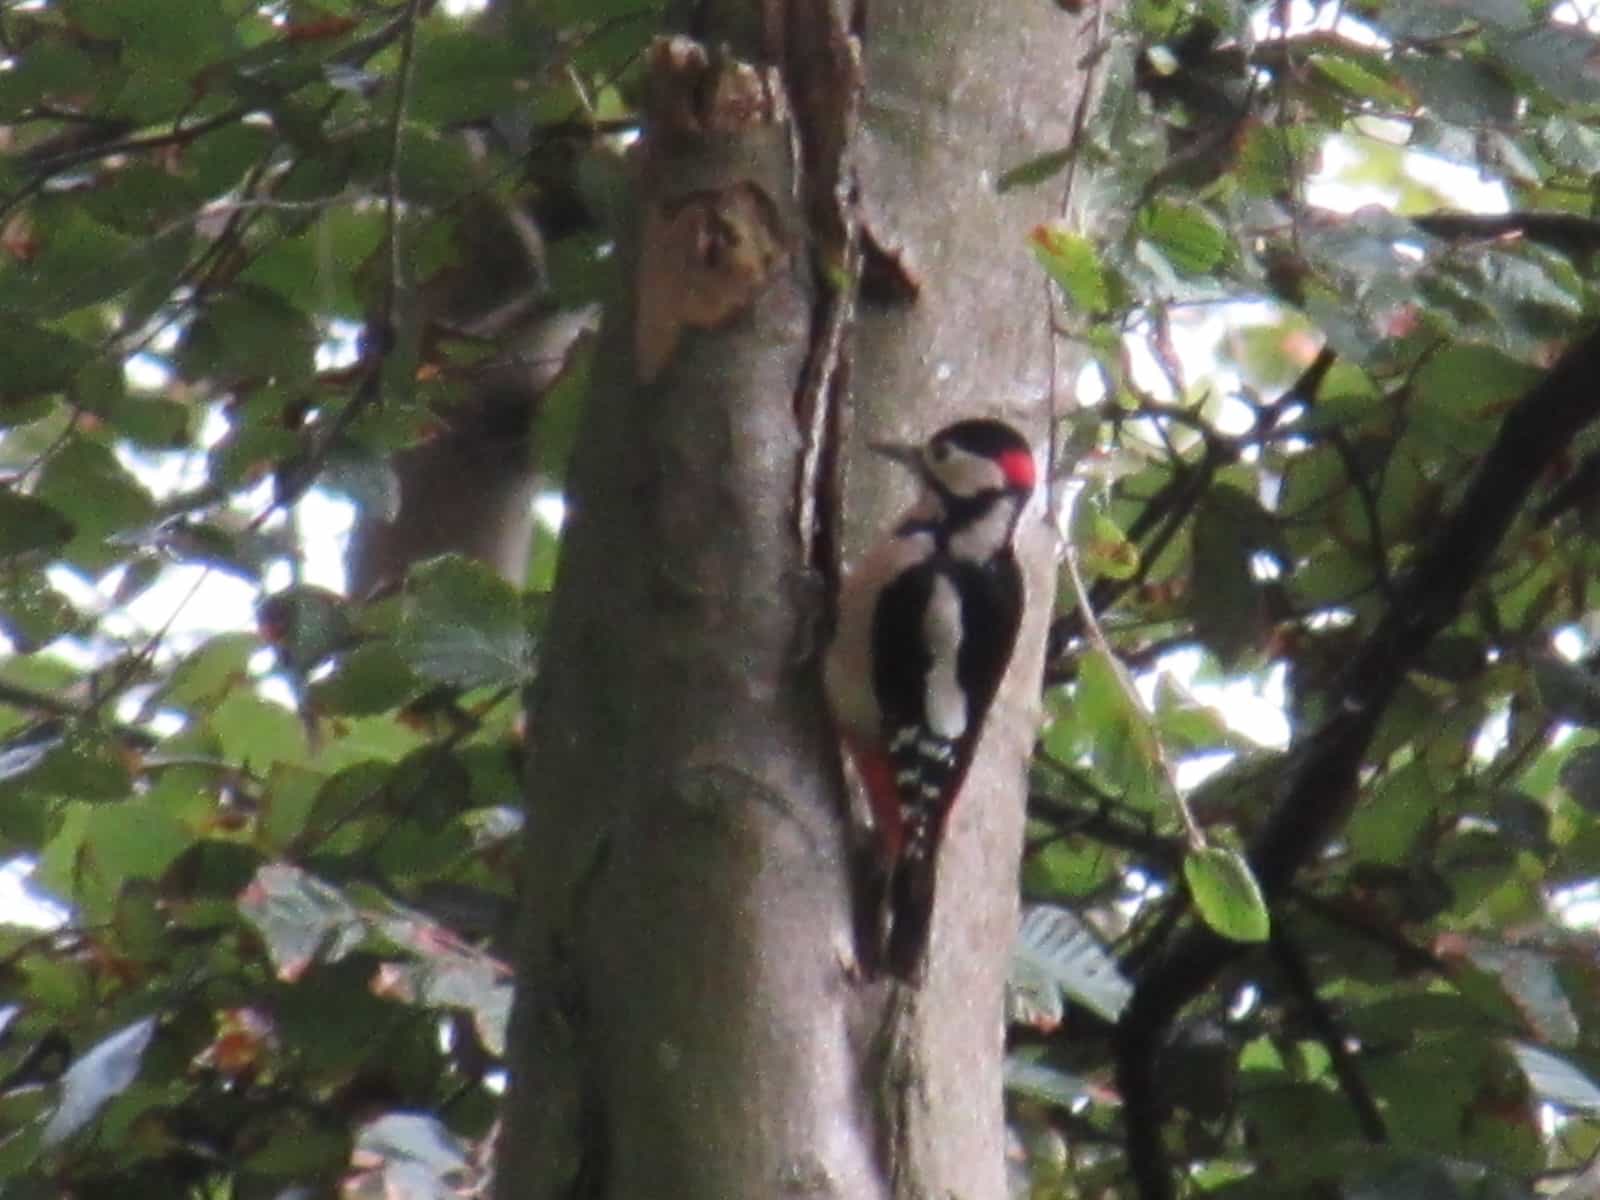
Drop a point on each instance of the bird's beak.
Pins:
(907, 455)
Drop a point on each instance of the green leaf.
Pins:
(210, 671)
(300, 918)
(418, 1148)
(464, 74)
(1567, 690)
(327, 267)
(1580, 776)
(106, 1070)
(305, 625)
(364, 477)
(1055, 954)
(1555, 1080)
(1362, 77)
(1073, 263)
(287, 802)
(1226, 894)
(87, 765)
(1104, 549)
(139, 198)
(1388, 822)
(434, 169)
(1558, 58)
(146, 421)
(31, 611)
(178, 33)
(256, 732)
(87, 483)
(1573, 145)
(83, 262)
(28, 524)
(1118, 731)
(35, 360)
(1462, 391)
(1230, 530)
(372, 678)
(250, 331)
(295, 1149)
(1187, 236)
(1045, 1084)
(51, 66)
(132, 839)
(22, 752)
(464, 626)
(1068, 868)
(1035, 170)
(1271, 157)
(1462, 90)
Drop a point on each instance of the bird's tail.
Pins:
(872, 877)
(910, 918)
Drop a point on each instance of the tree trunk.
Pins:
(690, 1022)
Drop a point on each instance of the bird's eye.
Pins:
(939, 451)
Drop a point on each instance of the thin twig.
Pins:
(1191, 828)
(130, 666)
(1080, 125)
(1297, 974)
(1354, 921)
(391, 171)
(1322, 776)
(47, 169)
(293, 478)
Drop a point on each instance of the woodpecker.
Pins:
(927, 621)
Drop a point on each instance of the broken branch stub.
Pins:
(718, 168)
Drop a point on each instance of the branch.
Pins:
(1297, 974)
(1319, 787)
(296, 475)
(1193, 834)
(1167, 510)
(1570, 232)
(1351, 919)
(57, 710)
(391, 171)
(1101, 824)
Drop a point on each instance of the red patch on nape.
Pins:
(1018, 468)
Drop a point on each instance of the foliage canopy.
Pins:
(225, 232)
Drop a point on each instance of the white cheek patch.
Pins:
(965, 474)
(944, 702)
(986, 536)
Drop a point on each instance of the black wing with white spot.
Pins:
(946, 630)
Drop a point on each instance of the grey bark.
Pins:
(689, 1020)
(468, 487)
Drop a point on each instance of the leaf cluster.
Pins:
(1350, 562)
(242, 254)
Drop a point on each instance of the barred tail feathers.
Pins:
(911, 893)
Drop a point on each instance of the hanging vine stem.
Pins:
(1193, 834)
(1080, 123)
(295, 476)
(391, 169)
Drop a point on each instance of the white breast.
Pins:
(944, 701)
(847, 668)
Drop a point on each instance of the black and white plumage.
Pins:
(927, 623)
